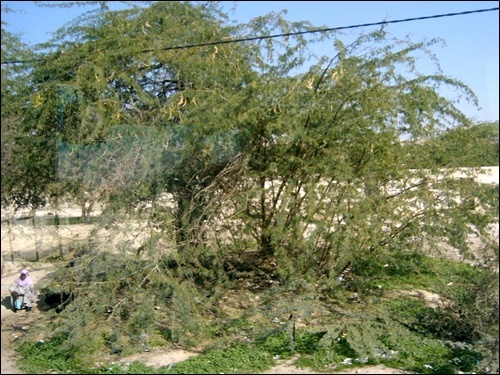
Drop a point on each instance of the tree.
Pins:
(333, 181)
(463, 146)
(90, 100)
(24, 178)
(226, 154)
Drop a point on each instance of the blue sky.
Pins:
(471, 53)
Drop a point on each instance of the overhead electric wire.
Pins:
(249, 39)
(318, 30)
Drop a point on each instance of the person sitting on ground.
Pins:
(23, 291)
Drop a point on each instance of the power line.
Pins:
(249, 39)
(319, 30)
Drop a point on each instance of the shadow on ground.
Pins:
(7, 303)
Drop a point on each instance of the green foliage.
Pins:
(276, 344)
(219, 171)
(26, 168)
(131, 294)
(286, 342)
(51, 355)
(458, 147)
(400, 333)
(475, 311)
(239, 359)
(384, 340)
(133, 368)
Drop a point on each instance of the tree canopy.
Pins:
(220, 153)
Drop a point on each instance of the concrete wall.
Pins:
(486, 175)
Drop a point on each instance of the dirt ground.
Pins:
(14, 325)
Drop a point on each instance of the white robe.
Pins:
(28, 291)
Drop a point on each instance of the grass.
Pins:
(377, 327)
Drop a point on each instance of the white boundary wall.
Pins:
(486, 175)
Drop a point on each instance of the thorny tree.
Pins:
(218, 152)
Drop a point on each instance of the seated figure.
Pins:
(23, 292)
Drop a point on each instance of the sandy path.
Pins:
(12, 323)
(9, 365)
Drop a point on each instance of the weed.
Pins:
(240, 359)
